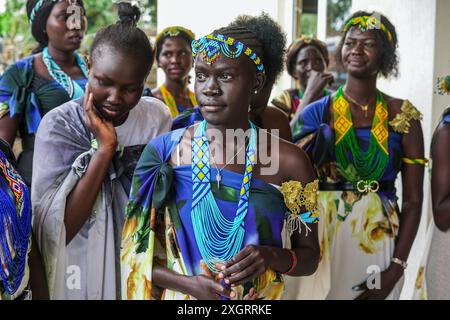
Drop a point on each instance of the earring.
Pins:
(255, 92)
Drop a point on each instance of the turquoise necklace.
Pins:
(74, 90)
(218, 238)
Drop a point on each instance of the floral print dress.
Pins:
(358, 229)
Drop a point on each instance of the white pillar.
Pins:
(286, 18)
(322, 19)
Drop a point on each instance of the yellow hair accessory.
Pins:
(174, 31)
(365, 23)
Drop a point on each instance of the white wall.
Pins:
(203, 16)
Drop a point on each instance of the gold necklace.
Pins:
(364, 107)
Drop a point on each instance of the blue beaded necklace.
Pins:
(218, 238)
(15, 226)
(74, 90)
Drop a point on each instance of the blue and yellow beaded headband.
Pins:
(174, 31)
(368, 23)
(212, 45)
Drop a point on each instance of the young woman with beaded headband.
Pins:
(359, 139)
(85, 155)
(199, 226)
(306, 62)
(53, 75)
(174, 57)
(273, 39)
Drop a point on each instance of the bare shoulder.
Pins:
(401, 107)
(394, 105)
(294, 163)
(441, 136)
(275, 119)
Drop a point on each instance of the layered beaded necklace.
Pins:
(74, 90)
(15, 226)
(218, 238)
(371, 164)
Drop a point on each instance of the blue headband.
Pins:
(212, 45)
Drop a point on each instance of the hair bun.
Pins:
(128, 13)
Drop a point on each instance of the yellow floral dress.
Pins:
(357, 229)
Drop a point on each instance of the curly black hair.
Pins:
(40, 21)
(124, 36)
(389, 57)
(272, 39)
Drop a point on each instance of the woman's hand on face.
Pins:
(103, 130)
(248, 264)
(317, 82)
(207, 288)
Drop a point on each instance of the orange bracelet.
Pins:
(294, 262)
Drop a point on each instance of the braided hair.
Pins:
(272, 38)
(243, 35)
(124, 36)
(39, 23)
